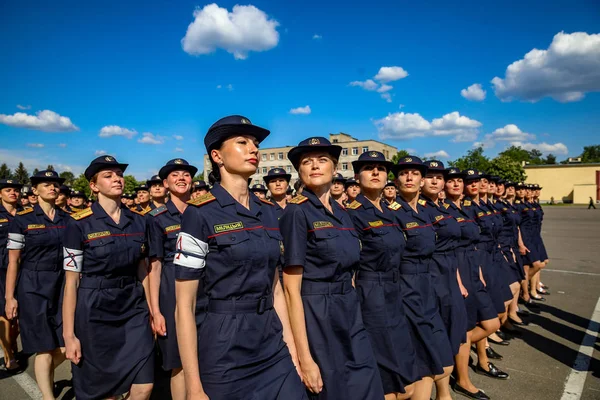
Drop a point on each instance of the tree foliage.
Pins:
(21, 174)
(507, 168)
(591, 154)
(5, 172)
(68, 177)
(130, 184)
(474, 159)
(50, 167)
(395, 158)
(81, 183)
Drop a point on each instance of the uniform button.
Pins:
(233, 238)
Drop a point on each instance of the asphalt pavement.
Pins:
(556, 357)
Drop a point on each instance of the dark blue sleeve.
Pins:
(192, 245)
(294, 230)
(156, 238)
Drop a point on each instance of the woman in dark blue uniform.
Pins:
(536, 191)
(230, 239)
(278, 182)
(164, 223)
(444, 268)
(434, 354)
(106, 320)
(322, 252)
(35, 238)
(378, 277)
(9, 330)
(337, 188)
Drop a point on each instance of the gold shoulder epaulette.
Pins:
(202, 200)
(446, 206)
(354, 205)
(395, 206)
(422, 202)
(517, 201)
(86, 212)
(25, 211)
(298, 199)
(158, 211)
(467, 203)
(266, 202)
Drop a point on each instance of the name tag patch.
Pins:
(98, 235)
(232, 226)
(172, 228)
(480, 214)
(375, 224)
(439, 217)
(460, 219)
(3, 220)
(412, 225)
(322, 224)
(36, 226)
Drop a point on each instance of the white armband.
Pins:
(191, 252)
(73, 260)
(16, 241)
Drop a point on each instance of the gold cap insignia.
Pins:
(408, 159)
(373, 154)
(470, 172)
(49, 173)
(314, 141)
(9, 181)
(109, 159)
(434, 164)
(245, 121)
(178, 161)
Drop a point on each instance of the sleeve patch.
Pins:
(73, 260)
(191, 252)
(16, 241)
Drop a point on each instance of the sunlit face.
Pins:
(77, 201)
(483, 186)
(372, 177)
(537, 193)
(472, 187)
(433, 184)
(454, 187)
(9, 195)
(179, 183)
(198, 193)
(61, 200)
(500, 189)
(409, 181)
(109, 182)
(352, 191)
(238, 155)
(260, 194)
(47, 191)
(32, 198)
(510, 191)
(316, 170)
(129, 203)
(158, 190)
(491, 188)
(389, 192)
(24, 201)
(528, 193)
(143, 196)
(278, 187)
(337, 188)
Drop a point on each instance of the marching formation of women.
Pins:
(355, 289)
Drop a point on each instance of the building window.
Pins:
(288, 169)
(355, 151)
(280, 156)
(365, 149)
(263, 157)
(344, 151)
(335, 140)
(272, 156)
(256, 181)
(345, 166)
(264, 170)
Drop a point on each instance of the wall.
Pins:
(559, 181)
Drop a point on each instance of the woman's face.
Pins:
(510, 191)
(483, 186)
(316, 170)
(47, 191)
(158, 190)
(238, 155)
(372, 177)
(9, 195)
(337, 188)
(472, 187)
(491, 188)
(389, 192)
(278, 187)
(433, 184)
(179, 183)
(454, 187)
(409, 181)
(520, 193)
(109, 182)
(143, 196)
(500, 190)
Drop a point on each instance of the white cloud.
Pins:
(301, 110)
(239, 32)
(114, 130)
(510, 132)
(389, 74)
(63, 145)
(150, 138)
(369, 84)
(384, 88)
(230, 87)
(546, 148)
(317, 37)
(219, 86)
(36, 145)
(474, 92)
(99, 153)
(178, 149)
(566, 71)
(177, 137)
(387, 97)
(402, 125)
(437, 155)
(20, 107)
(46, 120)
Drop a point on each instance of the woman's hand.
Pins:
(197, 396)
(523, 250)
(311, 377)
(73, 349)
(159, 326)
(11, 308)
(463, 291)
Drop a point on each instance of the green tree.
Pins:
(535, 157)
(474, 159)
(591, 154)
(68, 177)
(551, 159)
(199, 177)
(399, 155)
(50, 167)
(21, 174)
(130, 183)
(81, 183)
(35, 171)
(5, 172)
(507, 168)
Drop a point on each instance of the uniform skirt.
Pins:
(513, 269)
(112, 323)
(40, 294)
(478, 303)
(494, 276)
(242, 355)
(339, 343)
(168, 344)
(385, 321)
(450, 301)
(429, 334)
(3, 292)
(530, 241)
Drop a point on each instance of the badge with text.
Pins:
(232, 226)
(322, 224)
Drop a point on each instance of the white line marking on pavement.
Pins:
(27, 383)
(571, 272)
(576, 380)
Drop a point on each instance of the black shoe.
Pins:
(522, 323)
(533, 307)
(503, 335)
(543, 291)
(479, 395)
(492, 373)
(537, 298)
(492, 354)
(501, 343)
(523, 313)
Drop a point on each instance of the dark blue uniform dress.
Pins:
(508, 239)
(235, 250)
(443, 270)
(538, 218)
(164, 224)
(502, 267)
(326, 245)
(478, 303)
(112, 321)
(528, 231)
(429, 333)
(39, 288)
(5, 219)
(378, 287)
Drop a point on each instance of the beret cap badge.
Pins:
(314, 141)
(109, 159)
(49, 173)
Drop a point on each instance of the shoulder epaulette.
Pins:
(446, 206)
(266, 202)
(422, 202)
(517, 201)
(298, 199)
(158, 211)
(395, 206)
(86, 212)
(467, 203)
(202, 200)
(354, 205)
(25, 211)
(142, 213)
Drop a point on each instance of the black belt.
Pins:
(42, 267)
(413, 269)
(316, 287)
(387, 276)
(100, 282)
(233, 306)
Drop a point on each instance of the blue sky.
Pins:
(123, 64)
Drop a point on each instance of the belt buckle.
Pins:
(261, 307)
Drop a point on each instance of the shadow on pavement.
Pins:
(565, 315)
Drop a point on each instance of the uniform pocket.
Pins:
(235, 244)
(101, 248)
(37, 237)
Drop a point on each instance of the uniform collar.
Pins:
(366, 204)
(58, 213)
(225, 199)
(420, 215)
(171, 208)
(99, 213)
(335, 206)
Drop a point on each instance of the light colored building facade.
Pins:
(276, 157)
(566, 183)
